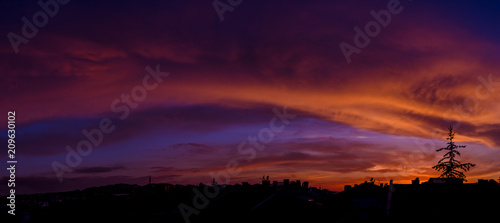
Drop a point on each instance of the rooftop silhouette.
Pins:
(286, 200)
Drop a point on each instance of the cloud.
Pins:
(161, 169)
(51, 136)
(96, 169)
(41, 184)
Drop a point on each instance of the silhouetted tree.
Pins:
(451, 167)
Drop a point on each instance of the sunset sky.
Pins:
(382, 115)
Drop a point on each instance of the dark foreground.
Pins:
(257, 203)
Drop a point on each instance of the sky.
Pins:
(177, 88)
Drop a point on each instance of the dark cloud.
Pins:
(156, 169)
(193, 148)
(97, 169)
(491, 133)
